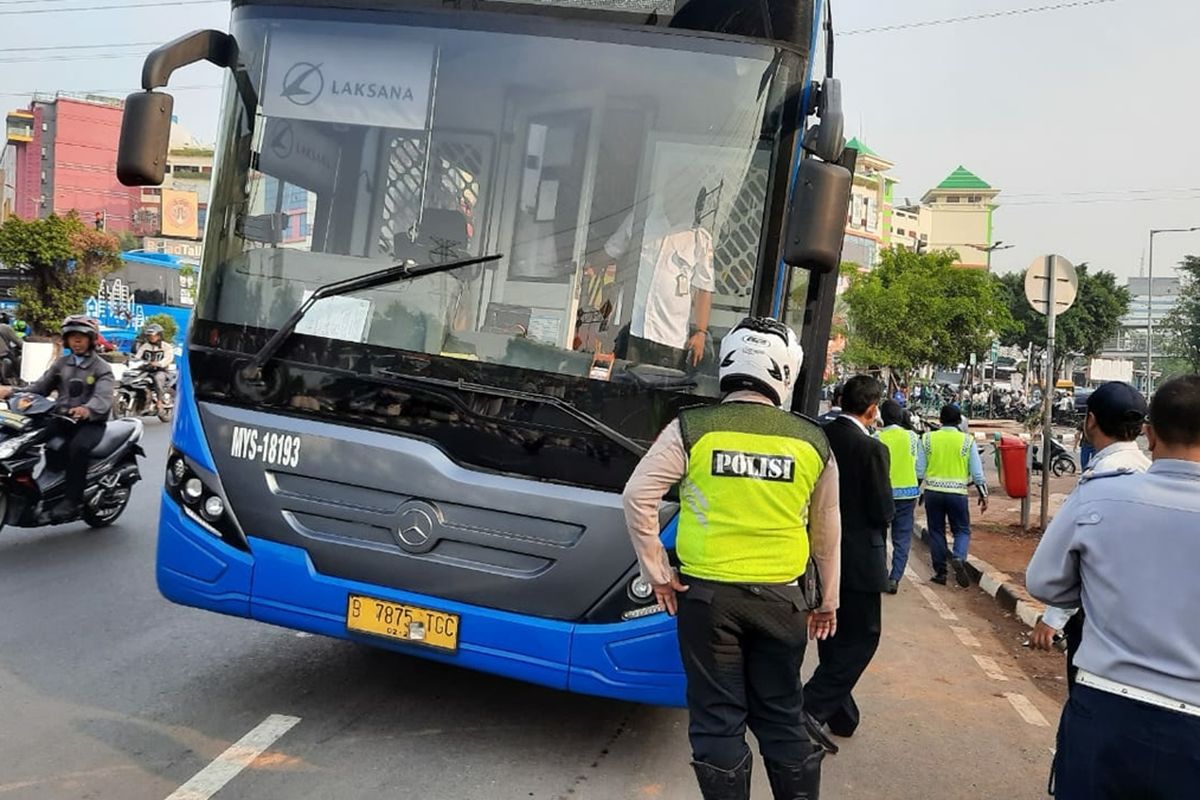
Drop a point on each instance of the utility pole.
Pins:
(1048, 390)
(1150, 305)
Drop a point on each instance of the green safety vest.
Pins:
(744, 499)
(949, 461)
(902, 444)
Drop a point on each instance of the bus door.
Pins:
(550, 177)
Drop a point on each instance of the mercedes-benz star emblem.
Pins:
(418, 523)
(303, 83)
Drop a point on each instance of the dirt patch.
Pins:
(1048, 671)
(1005, 547)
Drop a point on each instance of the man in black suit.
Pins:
(867, 510)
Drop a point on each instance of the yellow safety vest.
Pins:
(744, 499)
(949, 461)
(902, 444)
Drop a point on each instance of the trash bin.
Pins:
(1012, 466)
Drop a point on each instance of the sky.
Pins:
(1083, 116)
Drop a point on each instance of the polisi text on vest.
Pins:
(730, 463)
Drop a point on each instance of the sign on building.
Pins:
(1103, 370)
(180, 214)
(114, 307)
(184, 249)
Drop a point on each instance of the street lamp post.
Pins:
(1150, 304)
(989, 249)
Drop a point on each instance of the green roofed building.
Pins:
(957, 215)
(869, 221)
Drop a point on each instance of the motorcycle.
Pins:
(1061, 461)
(31, 476)
(135, 394)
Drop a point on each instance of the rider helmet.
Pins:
(763, 355)
(154, 329)
(78, 323)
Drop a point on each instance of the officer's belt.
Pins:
(1085, 678)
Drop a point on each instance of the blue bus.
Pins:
(463, 262)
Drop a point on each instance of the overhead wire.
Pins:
(1010, 12)
(107, 7)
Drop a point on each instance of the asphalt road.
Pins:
(109, 691)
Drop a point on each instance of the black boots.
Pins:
(797, 781)
(724, 784)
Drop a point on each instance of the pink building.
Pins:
(65, 159)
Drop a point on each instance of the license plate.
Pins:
(401, 622)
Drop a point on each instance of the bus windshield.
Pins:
(624, 176)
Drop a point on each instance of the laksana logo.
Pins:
(304, 83)
(734, 464)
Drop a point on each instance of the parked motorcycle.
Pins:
(135, 393)
(1061, 461)
(30, 488)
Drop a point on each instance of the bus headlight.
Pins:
(176, 471)
(213, 508)
(640, 589)
(193, 488)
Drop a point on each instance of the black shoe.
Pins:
(724, 784)
(939, 578)
(960, 572)
(66, 511)
(893, 587)
(816, 732)
(796, 781)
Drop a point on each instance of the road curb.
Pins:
(1008, 594)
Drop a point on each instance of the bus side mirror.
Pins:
(145, 137)
(817, 218)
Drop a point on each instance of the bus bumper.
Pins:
(637, 660)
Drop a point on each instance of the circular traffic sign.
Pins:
(1041, 271)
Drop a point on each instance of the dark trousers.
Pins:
(742, 648)
(73, 459)
(940, 507)
(647, 351)
(902, 528)
(1114, 748)
(828, 694)
(1073, 631)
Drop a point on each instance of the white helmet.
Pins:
(761, 354)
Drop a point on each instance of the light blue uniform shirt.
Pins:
(1126, 546)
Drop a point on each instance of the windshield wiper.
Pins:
(588, 420)
(394, 274)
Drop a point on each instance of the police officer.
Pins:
(1126, 548)
(907, 471)
(85, 386)
(952, 465)
(759, 494)
(1115, 413)
(157, 356)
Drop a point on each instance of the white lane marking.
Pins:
(936, 603)
(965, 636)
(1026, 709)
(210, 780)
(990, 668)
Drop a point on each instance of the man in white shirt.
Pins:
(1115, 414)
(675, 282)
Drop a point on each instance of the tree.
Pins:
(169, 326)
(129, 241)
(916, 309)
(65, 261)
(1182, 326)
(1091, 321)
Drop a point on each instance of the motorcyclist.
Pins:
(156, 357)
(84, 386)
(10, 349)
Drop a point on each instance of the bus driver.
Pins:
(674, 285)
